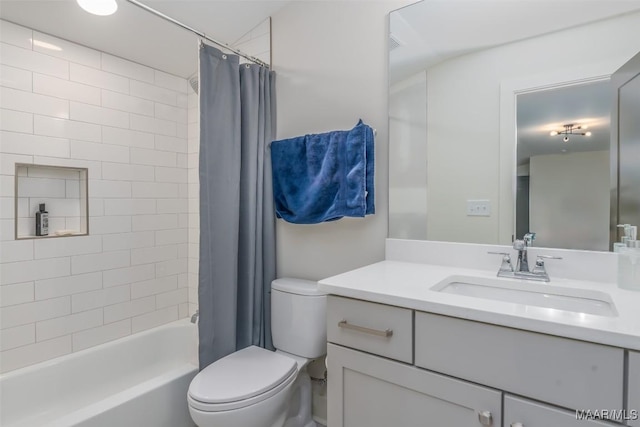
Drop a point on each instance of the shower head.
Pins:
(193, 82)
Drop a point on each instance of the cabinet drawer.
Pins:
(520, 412)
(568, 373)
(374, 328)
(634, 387)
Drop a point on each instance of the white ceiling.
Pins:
(139, 36)
(541, 112)
(435, 30)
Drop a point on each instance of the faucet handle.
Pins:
(506, 261)
(541, 257)
(539, 267)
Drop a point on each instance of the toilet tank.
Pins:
(298, 317)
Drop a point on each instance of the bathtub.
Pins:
(140, 380)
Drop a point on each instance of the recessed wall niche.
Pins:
(63, 190)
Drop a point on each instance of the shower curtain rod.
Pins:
(198, 33)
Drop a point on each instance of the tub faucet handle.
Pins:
(196, 316)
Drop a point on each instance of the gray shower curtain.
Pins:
(237, 223)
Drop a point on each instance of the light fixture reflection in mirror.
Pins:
(564, 195)
(453, 140)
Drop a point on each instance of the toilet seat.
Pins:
(241, 379)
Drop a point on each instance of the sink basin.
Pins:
(538, 295)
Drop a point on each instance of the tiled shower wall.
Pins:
(193, 147)
(129, 125)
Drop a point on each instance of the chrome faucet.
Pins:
(196, 315)
(539, 272)
(521, 246)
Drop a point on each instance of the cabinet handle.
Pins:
(517, 425)
(485, 418)
(377, 332)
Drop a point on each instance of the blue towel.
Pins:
(324, 177)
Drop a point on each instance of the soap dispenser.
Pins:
(629, 262)
(623, 240)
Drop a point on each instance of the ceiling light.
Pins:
(99, 7)
(570, 129)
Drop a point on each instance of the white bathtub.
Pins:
(141, 380)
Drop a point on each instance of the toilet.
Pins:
(254, 387)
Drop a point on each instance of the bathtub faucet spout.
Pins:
(196, 315)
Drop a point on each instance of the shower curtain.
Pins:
(237, 223)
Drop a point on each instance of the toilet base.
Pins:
(300, 404)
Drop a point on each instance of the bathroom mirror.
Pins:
(476, 87)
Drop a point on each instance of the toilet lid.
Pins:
(241, 375)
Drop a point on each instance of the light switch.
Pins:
(478, 208)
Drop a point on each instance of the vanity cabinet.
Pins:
(519, 412)
(392, 366)
(370, 391)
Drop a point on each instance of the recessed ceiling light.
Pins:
(99, 7)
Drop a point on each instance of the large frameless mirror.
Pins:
(499, 116)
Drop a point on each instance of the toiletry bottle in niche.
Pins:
(42, 221)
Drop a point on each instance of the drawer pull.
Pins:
(485, 418)
(377, 332)
(517, 425)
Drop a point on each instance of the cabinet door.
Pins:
(370, 391)
(520, 412)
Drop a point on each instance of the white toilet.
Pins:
(254, 387)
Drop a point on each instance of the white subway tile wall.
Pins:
(126, 123)
(193, 204)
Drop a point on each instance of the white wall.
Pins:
(569, 198)
(256, 42)
(127, 123)
(331, 60)
(464, 117)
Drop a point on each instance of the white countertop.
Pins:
(408, 285)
